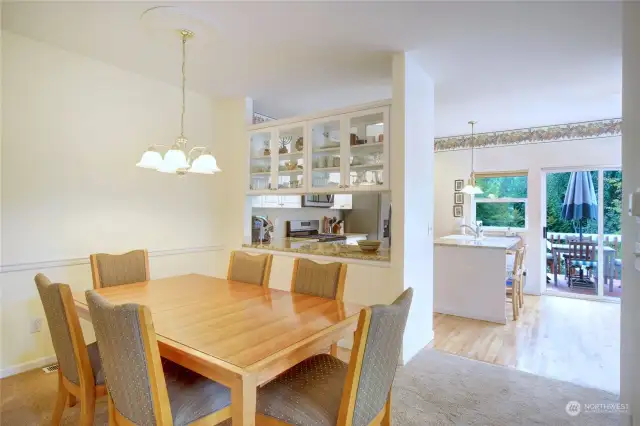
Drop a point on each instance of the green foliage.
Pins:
(556, 188)
(502, 187)
(501, 214)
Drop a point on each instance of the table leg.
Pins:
(243, 401)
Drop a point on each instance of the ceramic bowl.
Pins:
(369, 245)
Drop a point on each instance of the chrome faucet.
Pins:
(477, 229)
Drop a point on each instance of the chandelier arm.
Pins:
(196, 148)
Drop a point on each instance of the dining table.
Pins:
(240, 335)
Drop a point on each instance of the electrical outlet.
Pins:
(36, 325)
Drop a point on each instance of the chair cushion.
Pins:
(585, 263)
(509, 282)
(191, 395)
(618, 262)
(549, 256)
(307, 394)
(96, 365)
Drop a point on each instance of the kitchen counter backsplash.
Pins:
(304, 246)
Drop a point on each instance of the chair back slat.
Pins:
(110, 270)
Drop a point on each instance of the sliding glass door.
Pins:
(581, 232)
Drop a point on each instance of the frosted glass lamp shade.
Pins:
(471, 189)
(150, 160)
(205, 164)
(174, 159)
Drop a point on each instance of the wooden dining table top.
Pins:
(237, 323)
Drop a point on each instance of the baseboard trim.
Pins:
(47, 264)
(30, 365)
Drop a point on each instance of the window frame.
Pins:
(475, 200)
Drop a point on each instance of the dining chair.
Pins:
(322, 280)
(80, 372)
(142, 388)
(109, 270)
(248, 268)
(323, 390)
(514, 283)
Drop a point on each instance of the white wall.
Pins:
(630, 315)
(74, 129)
(279, 216)
(412, 173)
(452, 165)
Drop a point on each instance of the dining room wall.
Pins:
(74, 129)
(452, 165)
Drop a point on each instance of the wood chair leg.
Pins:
(386, 420)
(88, 407)
(334, 350)
(112, 412)
(61, 402)
(521, 294)
(514, 302)
(72, 401)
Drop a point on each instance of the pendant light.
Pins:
(177, 159)
(470, 188)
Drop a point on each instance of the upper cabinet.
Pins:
(347, 152)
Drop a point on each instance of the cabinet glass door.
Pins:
(261, 155)
(325, 138)
(290, 158)
(368, 154)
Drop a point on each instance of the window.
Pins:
(503, 203)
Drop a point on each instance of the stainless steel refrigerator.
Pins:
(371, 215)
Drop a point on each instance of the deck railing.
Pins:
(610, 240)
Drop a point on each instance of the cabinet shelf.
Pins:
(324, 150)
(290, 172)
(327, 169)
(366, 166)
(367, 146)
(260, 173)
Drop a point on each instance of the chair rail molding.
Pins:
(27, 266)
(532, 135)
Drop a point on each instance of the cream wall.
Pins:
(452, 165)
(630, 315)
(75, 129)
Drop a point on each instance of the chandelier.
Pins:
(177, 159)
(471, 188)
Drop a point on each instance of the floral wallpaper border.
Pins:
(261, 118)
(559, 132)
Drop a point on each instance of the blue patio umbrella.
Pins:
(580, 200)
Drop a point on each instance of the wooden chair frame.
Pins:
(87, 391)
(160, 397)
(515, 291)
(267, 268)
(350, 391)
(583, 251)
(95, 271)
(342, 278)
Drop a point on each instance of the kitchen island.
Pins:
(470, 275)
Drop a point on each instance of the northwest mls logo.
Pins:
(573, 408)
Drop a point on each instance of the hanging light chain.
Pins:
(185, 35)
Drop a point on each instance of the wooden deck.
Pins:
(562, 287)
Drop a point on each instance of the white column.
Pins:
(630, 332)
(412, 185)
(232, 116)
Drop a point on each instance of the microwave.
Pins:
(317, 200)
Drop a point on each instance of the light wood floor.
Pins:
(568, 339)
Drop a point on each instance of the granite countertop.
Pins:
(333, 249)
(505, 243)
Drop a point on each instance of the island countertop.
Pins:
(505, 243)
(312, 247)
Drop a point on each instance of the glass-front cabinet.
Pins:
(289, 173)
(368, 166)
(341, 153)
(325, 154)
(261, 160)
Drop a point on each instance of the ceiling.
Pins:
(506, 64)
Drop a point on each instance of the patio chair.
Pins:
(580, 258)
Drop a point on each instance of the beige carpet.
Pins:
(433, 389)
